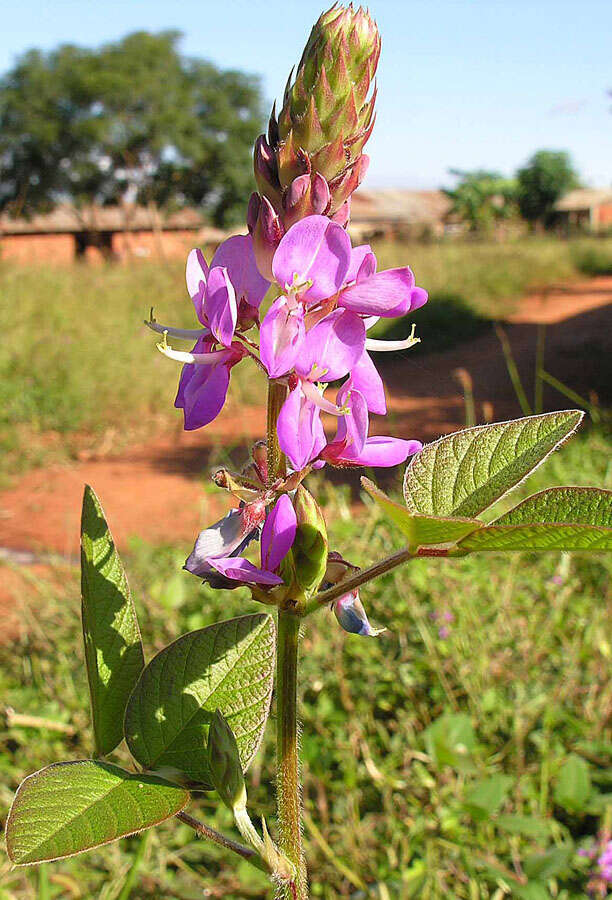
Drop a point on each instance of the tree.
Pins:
(548, 175)
(481, 198)
(131, 120)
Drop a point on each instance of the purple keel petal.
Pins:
(201, 394)
(239, 569)
(196, 274)
(332, 347)
(387, 293)
(300, 432)
(220, 306)
(314, 249)
(278, 533)
(237, 256)
(281, 337)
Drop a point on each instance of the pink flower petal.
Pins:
(333, 346)
(237, 256)
(196, 274)
(358, 256)
(239, 569)
(201, 394)
(220, 306)
(278, 533)
(300, 432)
(281, 337)
(384, 452)
(387, 293)
(366, 380)
(314, 249)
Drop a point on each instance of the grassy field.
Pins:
(79, 370)
(437, 763)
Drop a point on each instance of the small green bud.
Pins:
(309, 550)
(224, 763)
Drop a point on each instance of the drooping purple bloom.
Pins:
(204, 380)
(352, 617)
(225, 539)
(277, 538)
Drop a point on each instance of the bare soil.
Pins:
(155, 490)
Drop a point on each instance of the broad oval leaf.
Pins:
(71, 807)
(566, 505)
(113, 648)
(537, 537)
(421, 531)
(464, 473)
(228, 666)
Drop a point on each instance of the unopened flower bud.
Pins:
(267, 234)
(309, 549)
(326, 119)
(224, 763)
(260, 458)
(352, 617)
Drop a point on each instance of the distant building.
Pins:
(589, 209)
(398, 213)
(103, 232)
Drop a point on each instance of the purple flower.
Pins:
(277, 539)
(443, 632)
(281, 336)
(352, 617)
(352, 446)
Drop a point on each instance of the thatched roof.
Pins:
(399, 207)
(583, 198)
(68, 220)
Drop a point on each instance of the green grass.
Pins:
(79, 370)
(593, 259)
(524, 676)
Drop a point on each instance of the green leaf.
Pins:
(537, 537)
(528, 826)
(228, 666)
(542, 866)
(71, 807)
(485, 797)
(420, 530)
(451, 741)
(464, 473)
(113, 648)
(573, 790)
(565, 505)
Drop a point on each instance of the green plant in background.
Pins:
(194, 716)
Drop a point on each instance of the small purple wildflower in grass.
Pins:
(557, 580)
(443, 632)
(604, 863)
(448, 616)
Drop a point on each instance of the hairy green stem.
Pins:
(277, 464)
(289, 798)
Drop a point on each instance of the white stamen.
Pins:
(201, 359)
(186, 334)
(316, 396)
(387, 346)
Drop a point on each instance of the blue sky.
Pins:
(462, 83)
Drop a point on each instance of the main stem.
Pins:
(288, 790)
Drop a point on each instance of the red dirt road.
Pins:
(155, 491)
